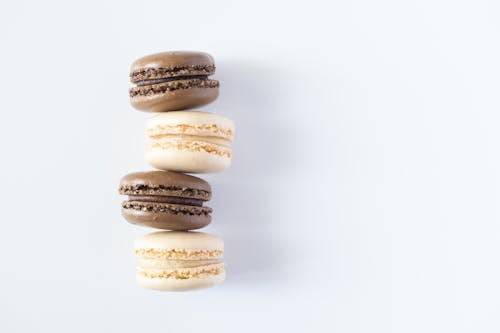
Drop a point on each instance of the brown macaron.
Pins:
(172, 81)
(166, 200)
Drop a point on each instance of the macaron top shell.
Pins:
(165, 183)
(171, 64)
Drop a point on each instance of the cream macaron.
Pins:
(176, 260)
(189, 141)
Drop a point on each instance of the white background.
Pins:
(364, 192)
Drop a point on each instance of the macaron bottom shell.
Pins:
(175, 100)
(166, 221)
(173, 284)
(186, 161)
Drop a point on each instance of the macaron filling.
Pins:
(172, 209)
(150, 73)
(175, 203)
(166, 199)
(178, 254)
(158, 88)
(143, 190)
(159, 80)
(182, 273)
(169, 79)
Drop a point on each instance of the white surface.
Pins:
(365, 186)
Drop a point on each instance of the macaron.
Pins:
(174, 80)
(189, 141)
(166, 200)
(175, 261)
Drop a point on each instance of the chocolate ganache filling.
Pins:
(166, 199)
(170, 79)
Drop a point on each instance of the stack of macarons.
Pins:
(181, 142)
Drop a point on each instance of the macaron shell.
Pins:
(166, 221)
(175, 100)
(175, 240)
(149, 183)
(172, 59)
(180, 284)
(174, 159)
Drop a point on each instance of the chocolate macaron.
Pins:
(171, 81)
(166, 200)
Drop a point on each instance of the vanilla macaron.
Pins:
(189, 141)
(176, 260)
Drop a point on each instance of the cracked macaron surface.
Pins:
(172, 260)
(171, 81)
(190, 141)
(166, 200)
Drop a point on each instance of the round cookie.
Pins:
(166, 200)
(189, 141)
(174, 80)
(177, 261)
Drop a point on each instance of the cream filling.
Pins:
(193, 138)
(182, 273)
(193, 144)
(175, 264)
(178, 254)
(209, 130)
